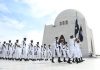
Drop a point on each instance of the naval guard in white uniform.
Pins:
(4, 50)
(71, 47)
(18, 51)
(78, 50)
(24, 49)
(38, 51)
(42, 52)
(31, 51)
(64, 50)
(56, 49)
(49, 52)
(0, 51)
(10, 50)
(45, 52)
(35, 53)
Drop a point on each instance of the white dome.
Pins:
(68, 15)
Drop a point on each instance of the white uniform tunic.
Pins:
(24, 50)
(71, 47)
(49, 53)
(10, 50)
(31, 51)
(61, 49)
(38, 52)
(78, 50)
(13, 51)
(45, 52)
(67, 51)
(53, 48)
(0, 50)
(42, 52)
(35, 52)
(64, 50)
(58, 51)
(4, 51)
(18, 51)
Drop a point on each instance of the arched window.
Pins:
(64, 22)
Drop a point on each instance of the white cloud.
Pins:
(35, 35)
(3, 8)
(12, 23)
(15, 24)
(40, 8)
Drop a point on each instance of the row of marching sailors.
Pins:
(71, 50)
(24, 51)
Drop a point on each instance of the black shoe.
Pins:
(64, 60)
(69, 59)
(81, 59)
(39, 59)
(4, 58)
(59, 60)
(46, 59)
(9, 58)
(73, 60)
(20, 59)
(52, 60)
(12, 58)
(15, 59)
(24, 59)
(76, 60)
(33, 59)
(27, 59)
(1, 57)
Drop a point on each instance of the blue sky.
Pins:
(26, 18)
(17, 19)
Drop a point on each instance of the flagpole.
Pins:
(79, 27)
(75, 24)
(76, 14)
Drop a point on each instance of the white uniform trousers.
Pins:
(10, 51)
(58, 52)
(18, 53)
(24, 52)
(44, 54)
(49, 54)
(72, 52)
(64, 52)
(78, 50)
(39, 53)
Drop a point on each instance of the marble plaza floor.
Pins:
(88, 64)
